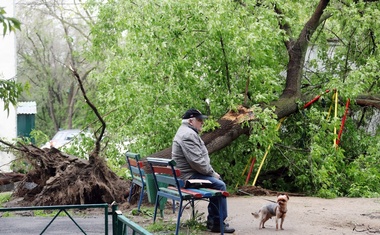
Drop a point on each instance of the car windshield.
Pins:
(65, 136)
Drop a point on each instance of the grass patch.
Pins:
(5, 197)
(193, 226)
(161, 226)
(147, 212)
(197, 223)
(47, 213)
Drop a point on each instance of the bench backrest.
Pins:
(164, 173)
(136, 166)
(166, 179)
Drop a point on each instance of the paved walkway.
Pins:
(61, 225)
(305, 216)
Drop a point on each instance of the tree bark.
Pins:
(368, 100)
(297, 51)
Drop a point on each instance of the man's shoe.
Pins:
(227, 229)
(209, 224)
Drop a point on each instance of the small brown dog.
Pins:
(278, 209)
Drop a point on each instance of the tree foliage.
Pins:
(9, 89)
(48, 48)
(162, 57)
(159, 58)
(176, 57)
(10, 24)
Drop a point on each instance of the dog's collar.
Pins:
(283, 212)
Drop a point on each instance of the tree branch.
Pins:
(226, 64)
(368, 100)
(98, 138)
(297, 51)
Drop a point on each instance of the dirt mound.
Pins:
(259, 191)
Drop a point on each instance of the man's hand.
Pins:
(216, 175)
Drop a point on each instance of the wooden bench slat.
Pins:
(217, 192)
(137, 171)
(166, 170)
(166, 179)
(203, 192)
(183, 190)
(175, 192)
(135, 163)
(138, 182)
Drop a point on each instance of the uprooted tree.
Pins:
(58, 178)
(155, 72)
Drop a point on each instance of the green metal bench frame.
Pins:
(138, 175)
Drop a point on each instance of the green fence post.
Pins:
(106, 219)
(114, 219)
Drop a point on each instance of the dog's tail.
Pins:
(255, 214)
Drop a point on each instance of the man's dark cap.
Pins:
(194, 113)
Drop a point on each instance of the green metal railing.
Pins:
(64, 209)
(122, 225)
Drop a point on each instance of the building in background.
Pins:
(8, 121)
(26, 118)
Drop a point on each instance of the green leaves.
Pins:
(160, 58)
(10, 24)
(173, 55)
(10, 90)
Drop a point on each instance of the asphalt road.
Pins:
(61, 225)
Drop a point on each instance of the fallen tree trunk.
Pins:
(231, 127)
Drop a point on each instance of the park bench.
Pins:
(136, 168)
(170, 186)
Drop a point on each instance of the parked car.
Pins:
(62, 138)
